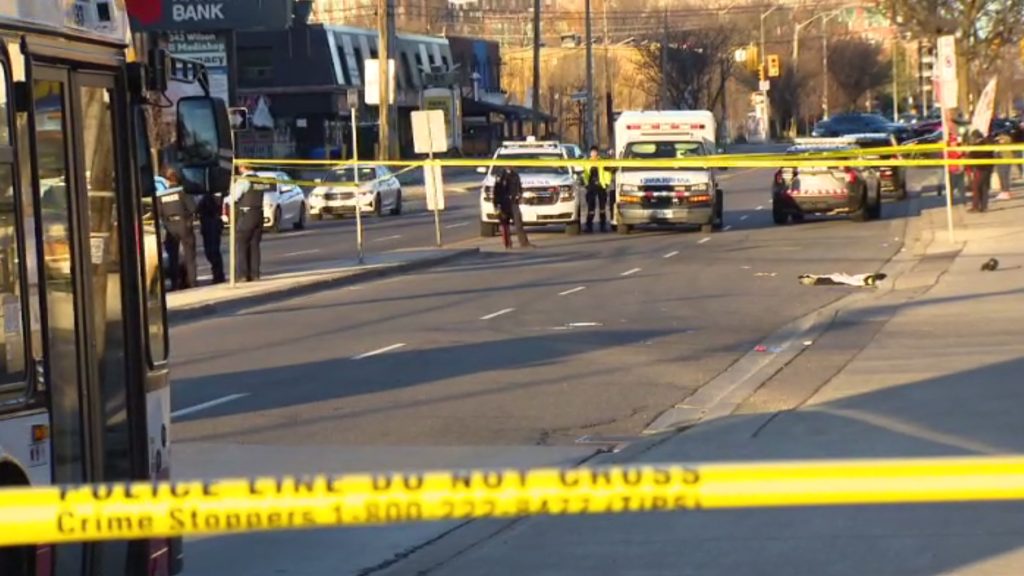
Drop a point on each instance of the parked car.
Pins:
(284, 202)
(373, 189)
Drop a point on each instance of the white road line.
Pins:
(300, 253)
(704, 239)
(573, 291)
(671, 254)
(727, 228)
(631, 272)
(456, 225)
(496, 314)
(760, 208)
(386, 238)
(205, 405)
(379, 351)
(744, 217)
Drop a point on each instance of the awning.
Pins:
(472, 107)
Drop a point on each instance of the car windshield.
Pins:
(348, 174)
(535, 156)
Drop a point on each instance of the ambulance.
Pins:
(666, 195)
(552, 194)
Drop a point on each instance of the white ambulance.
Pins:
(655, 195)
(552, 195)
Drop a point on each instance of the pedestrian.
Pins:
(981, 175)
(177, 210)
(597, 180)
(1005, 171)
(956, 171)
(248, 203)
(508, 192)
(211, 227)
(502, 200)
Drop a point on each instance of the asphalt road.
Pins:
(588, 335)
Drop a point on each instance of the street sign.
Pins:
(239, 119)
(372, 82)
(429, 133)
(764, 85)
(579, 96)
(948, 84)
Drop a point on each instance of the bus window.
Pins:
(152, 258)
(12, 338)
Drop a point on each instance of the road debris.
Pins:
(840, 279)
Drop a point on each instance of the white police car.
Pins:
(552, 195)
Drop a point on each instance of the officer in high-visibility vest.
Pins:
(247, 199)
(177, 211)
(598, 181)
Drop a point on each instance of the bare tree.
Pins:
(983, 29)
(856, 66)
(698, 63)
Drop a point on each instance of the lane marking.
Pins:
(379, 351)
(456, 225)
(704, 239)
(386, 238)
(631, 272)
(572, 291)
(205, 405)
(671, 254)
(727, 228)
(300, 253)
(760, 208)
(496, 314)
(744, 217)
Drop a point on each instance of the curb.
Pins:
(191, 313)
(724, 393)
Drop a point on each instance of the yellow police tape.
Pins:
(145, 510)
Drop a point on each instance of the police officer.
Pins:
(508, 192)
(177, 210)
(248, 201)
(597, 181)
(211, 227)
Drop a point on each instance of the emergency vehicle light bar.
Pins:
(660, 126)
(530, 144)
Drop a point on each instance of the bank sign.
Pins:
(209, 15)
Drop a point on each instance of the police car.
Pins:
(825, 190)
(551, 194)
(284, 203)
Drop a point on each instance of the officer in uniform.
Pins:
(177, 211)
(598, 181)
(211, 227)
(248, 201)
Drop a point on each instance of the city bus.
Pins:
(84, 384)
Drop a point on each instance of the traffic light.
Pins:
(753, 58)
(773, 66)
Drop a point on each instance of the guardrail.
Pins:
(120, 511)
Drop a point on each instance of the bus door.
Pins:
(79, 186)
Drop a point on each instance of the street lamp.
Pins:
(824, 62)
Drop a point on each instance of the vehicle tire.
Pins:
(719, 211)
(17, 561)
(862, 213)
(779, 216)
(572, 229)
(488, 230)
(300, 224)
(875, 208)
(397, 210)
(624, 229)
(275, 228)
(378, 210)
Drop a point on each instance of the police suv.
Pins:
(551, 194)
(666, 195)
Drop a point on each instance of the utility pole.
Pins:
(607, 73)
(536, 67)
(664, 59)
(895, 80)
(589, 125)
(824, 68)
(385, 34)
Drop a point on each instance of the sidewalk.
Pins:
(942, 374)
(203, 301)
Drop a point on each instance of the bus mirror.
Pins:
(204, 131)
